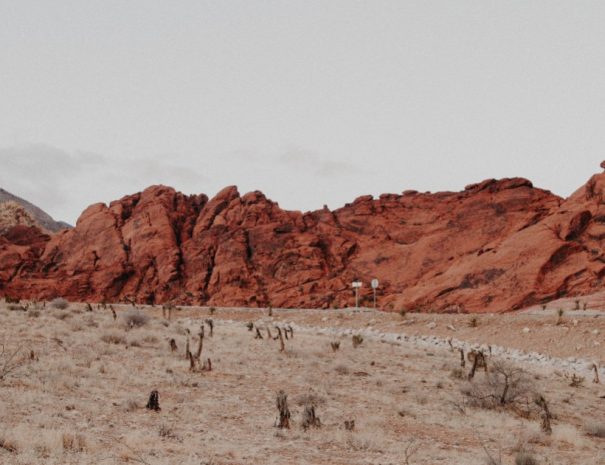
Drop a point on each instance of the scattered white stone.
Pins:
(595, 332)
(525, 330)
(432, 325)
(451, 328)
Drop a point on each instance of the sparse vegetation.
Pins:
(595, 428)
(59, 303)
(357, 340)
(134, 319)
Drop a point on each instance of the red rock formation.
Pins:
(496, 246)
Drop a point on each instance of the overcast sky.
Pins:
(312, 102)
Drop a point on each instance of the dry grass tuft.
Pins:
(595, 429)
(59, 303)
(113, 338)
(134, 319)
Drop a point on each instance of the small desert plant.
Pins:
(74, 442)
(131, 405)
(357, 340)
(135, 319)
(342, 370)
(212, 310)
(473, 322)
(577, 305)
(60, 303)
(403, 313)
(596, 429)
(335, 345)
(576, 380)
(113, 338)
(525, 458)
(560, 314)
(10, 361)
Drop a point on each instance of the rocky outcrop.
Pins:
(16, 211)
(498, 245)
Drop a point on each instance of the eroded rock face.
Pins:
(498, 245)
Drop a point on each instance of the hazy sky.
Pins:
(312, 102)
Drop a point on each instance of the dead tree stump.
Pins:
(284, 411)
(154, 401)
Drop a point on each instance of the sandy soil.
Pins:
(81, 399)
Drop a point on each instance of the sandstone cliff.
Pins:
(496, 246)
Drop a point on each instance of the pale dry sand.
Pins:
(81, 401)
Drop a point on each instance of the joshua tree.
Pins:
(596, 373)
(478, 359)
(200, 344)
(210, 324)
(310, 419)
(560, 313)
(284, 411)
(279, 336)
(545, 415)
(154, 401)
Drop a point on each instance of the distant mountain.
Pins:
(17, 211)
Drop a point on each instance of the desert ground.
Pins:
(75, 381)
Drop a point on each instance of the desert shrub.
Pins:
(74, 442)
(11, 360)
(131, 405)
(403, 313)
(596, 429)
(33, 313)
(473, 322)
(59, 303)
(113, 338)
(504, 386)
(62, 315)
(357, 340)
(525, 458)
(342, 369)
(135, 319)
